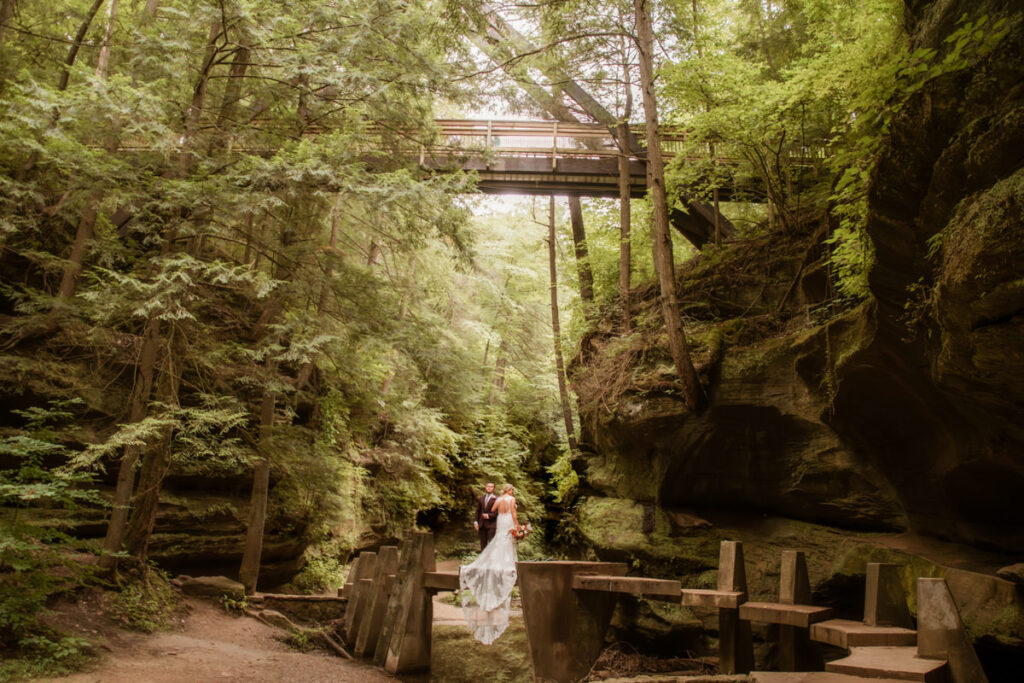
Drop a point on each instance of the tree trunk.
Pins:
(625, 255)
(661, 237)
(373, 258)
(77, 44)
(103, 61)
(195, 110)
(306, 371)
(563, 390)
(126, 473)
(147, 496)
(232, 94)
(249, 572)
(6, 14)
(84, 233)
(155, 461)
(499, 371)
(579, 240)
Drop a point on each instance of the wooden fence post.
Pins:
(369, 627)
(408, 643)
(941, 633)
(353, 571)
(361, 587)
(735, 642)
(796, 651)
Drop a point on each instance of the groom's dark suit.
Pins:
(487, 525)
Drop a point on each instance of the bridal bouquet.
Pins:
(520, 532)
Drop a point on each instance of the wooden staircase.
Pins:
(894, 663)
(884, 647)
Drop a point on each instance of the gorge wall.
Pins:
(903, 416)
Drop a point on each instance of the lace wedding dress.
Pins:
(487, 582)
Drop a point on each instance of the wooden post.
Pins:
(369, 628)
(796, 651)
(565, 628)
(735, 642)
(941, 633)
(362, 590)
(885, 602)
(391, 607)
(408, 633)
(353, 572)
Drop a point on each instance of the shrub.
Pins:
(146, 601)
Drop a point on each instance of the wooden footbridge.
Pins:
(567, 607)
(541, 157)
(549, 157)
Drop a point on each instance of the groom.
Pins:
(485, 523)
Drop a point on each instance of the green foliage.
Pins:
(299, 640)
(564, 479)
(234, 606)
(36, 562)
(885, 88)
(49, 655)
(145, 601)
(323, 570)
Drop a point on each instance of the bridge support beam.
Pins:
(565, 627)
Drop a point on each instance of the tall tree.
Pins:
(625, 209)
(579, 241)
(661, 237)
(563, 390)
(6, 14)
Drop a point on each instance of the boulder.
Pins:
(1012, 572)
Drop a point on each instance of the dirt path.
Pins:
(211, 645)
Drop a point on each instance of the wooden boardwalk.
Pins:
(567, 607)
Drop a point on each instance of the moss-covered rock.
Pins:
(624, 530)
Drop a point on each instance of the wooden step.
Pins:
(901, 663)
(712, 599)
(441, 581)
(846, 634)
(661, 589)
(783, 613)
(811, 677)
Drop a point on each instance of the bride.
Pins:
(487, 582)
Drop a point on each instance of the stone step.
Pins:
(811, 677)
(847, 634)
(901, 663)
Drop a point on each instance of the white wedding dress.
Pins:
(487, 582)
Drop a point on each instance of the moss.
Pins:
(455, 656)
(615, 527)
(980, 220)
(912, 567)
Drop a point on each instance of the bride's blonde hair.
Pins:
(506, 488)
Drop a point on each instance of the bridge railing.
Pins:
(472, 137)
(536, 138)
